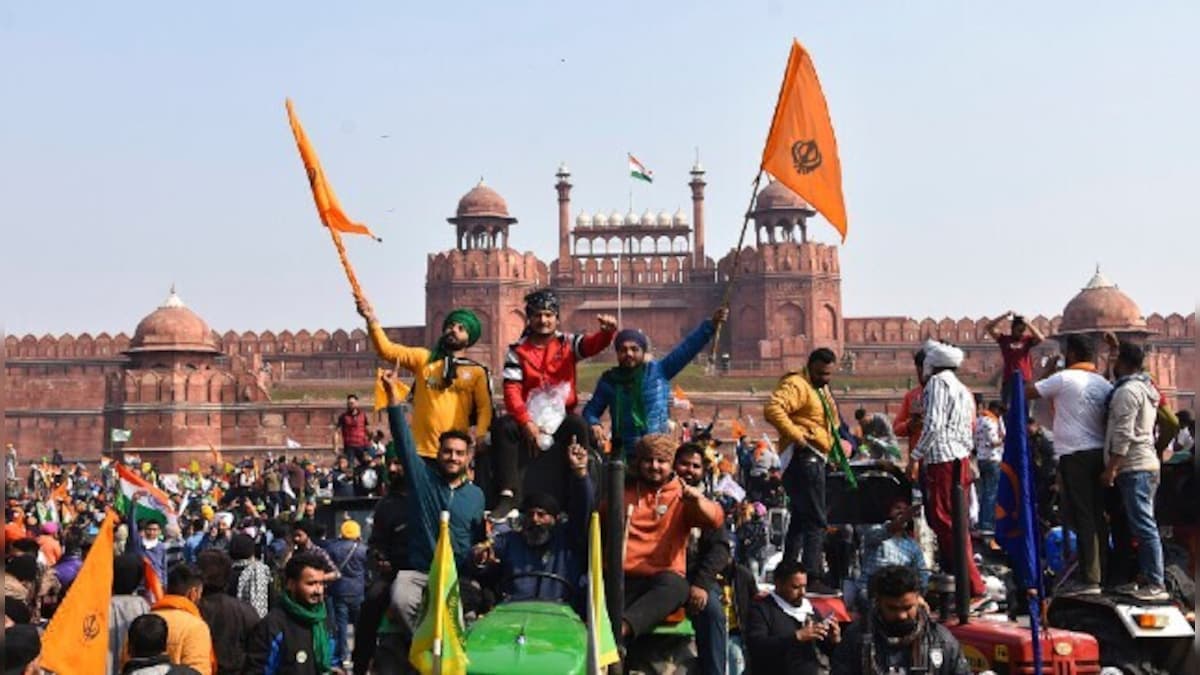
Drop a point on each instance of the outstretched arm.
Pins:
(594, 343)
(411, 359)
(685, 351)
(406, 448)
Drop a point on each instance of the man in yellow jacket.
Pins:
(450, 391)
(803, 411)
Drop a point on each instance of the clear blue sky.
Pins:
(993, 153)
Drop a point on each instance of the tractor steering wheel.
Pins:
(540, 576)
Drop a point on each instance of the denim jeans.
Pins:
(712, 635)
(988, 486)
(345, 613)
(1137, 492)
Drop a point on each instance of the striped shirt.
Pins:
(949, 412)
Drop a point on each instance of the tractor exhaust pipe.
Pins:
(614, 551)
(962, 581)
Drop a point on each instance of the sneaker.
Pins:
(1125, 589)
(1151, 593)
(983, 605)
(821, 589)
(506, 507)
(1073, 587)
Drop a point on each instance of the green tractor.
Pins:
(527, 637)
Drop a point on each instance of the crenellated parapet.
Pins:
(812, 258)
(455, 265)
(965, 330)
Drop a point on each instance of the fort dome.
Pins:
(1101, 306)
(173, 328)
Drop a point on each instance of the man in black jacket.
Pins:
(708, 557)
(229, 619)
(387, 548)
(898, 633)
(296, 637)
(784, 633)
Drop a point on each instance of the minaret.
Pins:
(564, 219)
(697, 186)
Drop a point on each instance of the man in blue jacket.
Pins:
(545, 544)
(432, 490)
(637, 393)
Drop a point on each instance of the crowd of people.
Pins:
(229, 570)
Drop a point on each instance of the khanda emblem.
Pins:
(806, 156)
(91, 626)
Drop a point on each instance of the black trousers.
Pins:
(649, 600)
(366, 629)
(804, 481)
(522, 467)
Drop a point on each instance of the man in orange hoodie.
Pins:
(663, 510)
(189, 641)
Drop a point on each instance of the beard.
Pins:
(536, 535)
(450, 343)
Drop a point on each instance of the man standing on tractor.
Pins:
(545, 559)
(804, 413)
(637, 393)
(708, 558)
(908, 421)
(1080, 396)
(450, 391)
(540, 397)
(897, 635)
(944, 451)
(662, 512)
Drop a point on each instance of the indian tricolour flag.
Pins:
(154, 505)
(639, 170)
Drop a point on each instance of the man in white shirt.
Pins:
(1080, 398)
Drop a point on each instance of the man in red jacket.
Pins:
(539, 388)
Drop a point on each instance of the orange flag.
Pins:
(738, 430)
(328, 206)
(76, 641)
(801, 150)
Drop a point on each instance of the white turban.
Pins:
(941, 355)
(225, 518)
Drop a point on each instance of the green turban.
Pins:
(468, 320)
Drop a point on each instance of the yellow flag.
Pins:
(328, 206)
(801, 151)
(399, 388)
(437, 644)
(76, 641)
(602, 646)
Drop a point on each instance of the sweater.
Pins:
(528, 366)
(438, 407)
(658, 543)
(656, 390)
(1132, 412)
(429, 495)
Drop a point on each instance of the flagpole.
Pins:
(345, 260)
(737, 254)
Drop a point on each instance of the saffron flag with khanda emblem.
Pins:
(76, 641)
(801, 150)
(328, 206)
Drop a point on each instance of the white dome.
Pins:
(600, 220)
(648, 218)
(680, 218)
(616, 219)
(631, 218)
(584, 219)
(664, 219)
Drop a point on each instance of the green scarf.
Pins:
(835, 446)
(627, 396)
(314, 618)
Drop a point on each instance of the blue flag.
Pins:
(1016, 510)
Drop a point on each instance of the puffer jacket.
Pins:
(656, 390)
